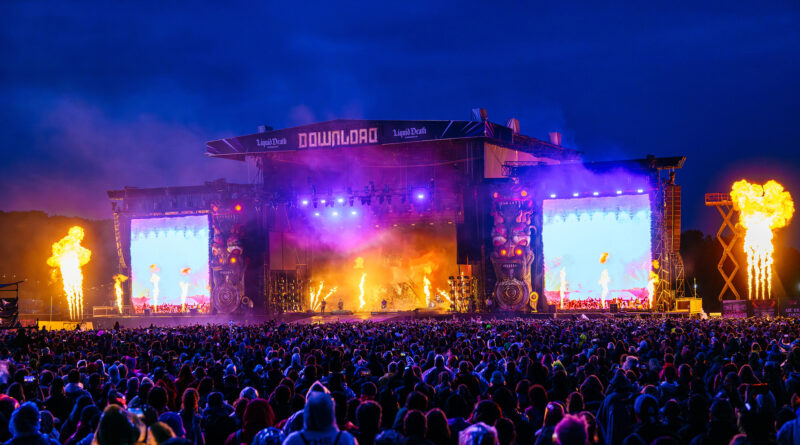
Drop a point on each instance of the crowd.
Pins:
(425, 382)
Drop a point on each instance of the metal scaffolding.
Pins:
(724, 204)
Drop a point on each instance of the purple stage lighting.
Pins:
(304, 202)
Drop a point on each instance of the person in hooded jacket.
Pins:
(614, 414)
(319, 424)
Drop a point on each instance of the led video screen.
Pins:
(597, 250)
(169, 263)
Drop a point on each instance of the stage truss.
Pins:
(724, 204)
(671, 275)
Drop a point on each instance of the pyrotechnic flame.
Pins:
(184, 292)
(651, 284)
(426, 288)
(315, 300)
(361, 301)
(330, 292)
(604, 280)
(118, 280)
(562, 287)
(154, 278)
(444, 295)
(69, 256)
(761, 210)
(604, 258)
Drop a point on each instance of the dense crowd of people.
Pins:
(424, 382)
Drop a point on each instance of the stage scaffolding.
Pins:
(667, 219)
(727, 236)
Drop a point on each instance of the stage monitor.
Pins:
(597, 251)
(170, 264)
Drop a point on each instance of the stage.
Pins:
(175, 320)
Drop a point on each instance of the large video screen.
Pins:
(597, 250)
(169, 263)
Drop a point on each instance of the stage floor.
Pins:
(174, 320)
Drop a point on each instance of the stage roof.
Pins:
(353, 133)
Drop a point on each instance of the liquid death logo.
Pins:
(409, 133)
(337, 138)
(270, 142)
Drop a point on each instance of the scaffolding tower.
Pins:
(724, 204)
(671, 278)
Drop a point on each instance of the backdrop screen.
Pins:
(597, 250)
(169, 263)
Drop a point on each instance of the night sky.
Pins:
(106, 95)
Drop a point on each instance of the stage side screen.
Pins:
(169, 263)
(597, 251)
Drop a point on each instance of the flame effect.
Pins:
(155, 278)
(118, 280)
(651, 287)
(603, 282)
(314, 300)
(444, 295)
(68, 256)
(184, 292)
(604, 258)
(361, 301)
(761, 210)
(426, 288)
(330, 292)
(562, 287)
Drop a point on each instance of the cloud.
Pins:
(81, 151)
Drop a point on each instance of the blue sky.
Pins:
(100, 95)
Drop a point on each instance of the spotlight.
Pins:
(353, 212)
(619, 192)
(316, 213)
(523, 193)
(340, 200)
(304, 202)
(237, 207)
(596, 193)
(324, 201)
(420, 196)
(639, 190)
(575, 194)
(552, 195)
(335, 213)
